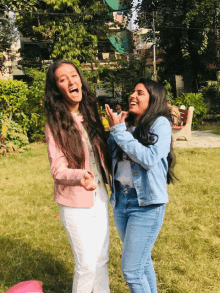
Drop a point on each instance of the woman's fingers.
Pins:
(87, 181)
(108, 110)
(124, 115)
(90, 187)
(112, 117)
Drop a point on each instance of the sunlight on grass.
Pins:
(34, 244)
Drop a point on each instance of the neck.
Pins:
(136, 119)
(74, 108)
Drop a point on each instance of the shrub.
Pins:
(23, 103)
(12, 135)
(34, 105)
(211, 94)
(195, 100)
(13, 97)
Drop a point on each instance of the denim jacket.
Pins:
(149, 164)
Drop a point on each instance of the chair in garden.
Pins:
(184, 130)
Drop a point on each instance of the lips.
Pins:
(132, 102)
(74, 90)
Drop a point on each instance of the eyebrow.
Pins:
(74, 71)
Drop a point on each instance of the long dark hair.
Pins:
(157, 107)
(61, 122)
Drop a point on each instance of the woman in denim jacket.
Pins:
(142, 165)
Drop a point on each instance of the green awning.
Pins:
(115, 4)
(122, 41)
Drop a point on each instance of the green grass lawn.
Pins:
(33, 243)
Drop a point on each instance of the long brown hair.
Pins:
(62, 125)
(157, 107)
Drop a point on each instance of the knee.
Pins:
(102, 260)
(86, 266)
(131, 275)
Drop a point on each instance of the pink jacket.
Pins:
(67, 188)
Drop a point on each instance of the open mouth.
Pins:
(74, 90)
(133, 103)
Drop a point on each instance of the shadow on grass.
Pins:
(19, 262)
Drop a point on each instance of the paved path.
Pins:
(200, 139)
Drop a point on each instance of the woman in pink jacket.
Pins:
(77, 153)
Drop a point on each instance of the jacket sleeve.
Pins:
(58, 164)
(146, 156)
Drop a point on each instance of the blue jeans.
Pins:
(138, 228)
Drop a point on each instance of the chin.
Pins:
(76, 100)
(131, 111)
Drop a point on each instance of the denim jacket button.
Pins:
(135, 174)
(142, 202)
(139, 186)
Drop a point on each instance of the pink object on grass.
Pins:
(32, 286)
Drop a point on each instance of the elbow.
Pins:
(147, 167)
(55, 175)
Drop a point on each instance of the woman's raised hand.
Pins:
(124, 115)
(113, 119)
(87, 181)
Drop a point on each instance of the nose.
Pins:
(71, 80)
(132, 95)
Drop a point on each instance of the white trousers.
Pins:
(88, 232)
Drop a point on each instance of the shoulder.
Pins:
(47, 129)
(48, 133)
(161, 121)
(161, 126)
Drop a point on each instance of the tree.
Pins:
(7, 36)
(62, 28)
(122, 77)
(188, 35)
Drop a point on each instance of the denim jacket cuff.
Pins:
(118, 127)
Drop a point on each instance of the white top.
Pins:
(94, 162)
(124, 174)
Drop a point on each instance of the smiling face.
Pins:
(70, 86)
(139, 101)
